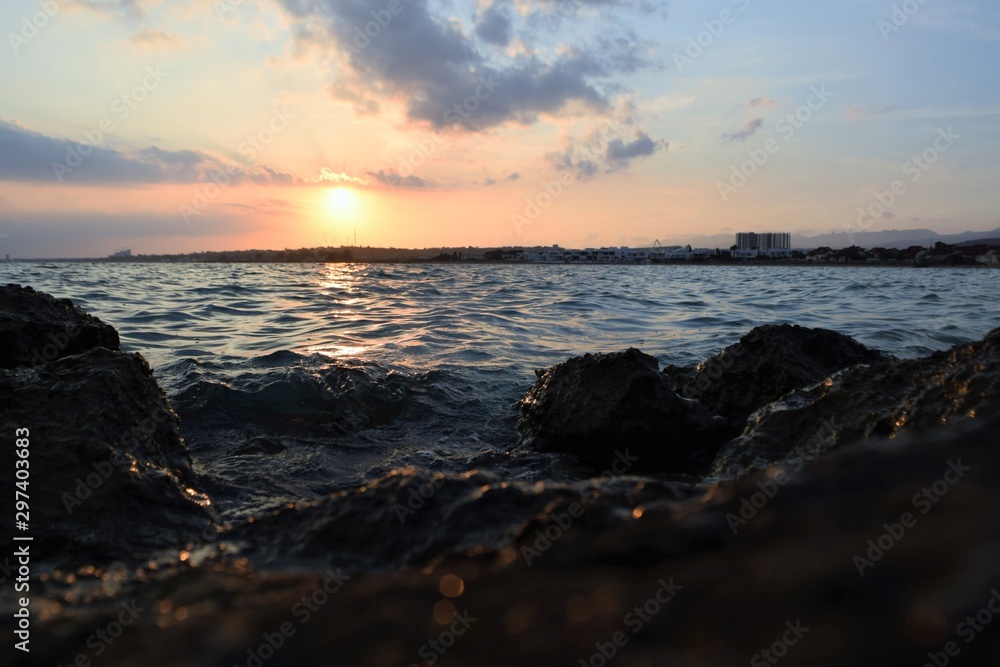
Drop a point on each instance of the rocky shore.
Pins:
(796, 498)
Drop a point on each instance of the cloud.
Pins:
(434, 66)
(328, 176)
(746, 132)
(758, 102)
(394, 180)
(157, 39)
(494, 25)
(28, 156)
(603, 151)
(618, 150)
(86, 234)
(510, 177)
(583, 168)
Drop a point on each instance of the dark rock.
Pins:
(801, 559)
(412, 517)
(884, 398)
(36, 328)
(595, 405)
(110, 477)
(765, 365)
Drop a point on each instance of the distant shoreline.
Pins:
(487, 262)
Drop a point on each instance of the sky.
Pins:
(183, 125)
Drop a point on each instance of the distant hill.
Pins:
(993, 241)
(893, 238)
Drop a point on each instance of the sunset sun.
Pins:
(342, 203)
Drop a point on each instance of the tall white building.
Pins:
(763, 241)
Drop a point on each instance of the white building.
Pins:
(763, 241)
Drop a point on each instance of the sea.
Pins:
(294, 381)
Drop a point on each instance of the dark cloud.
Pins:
(394, 180)
(513, 177)
(641, 147)
(746, 132)
(69, 234)
(432, 63)
(490, 181)
(583, 167)
(494, 25)
(604, 151)
(33, 157)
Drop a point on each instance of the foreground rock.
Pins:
(885, 398)
(110, 478)
(599, 404)
(412, 517)
(826, 554)
(766, 364)
(36, 328)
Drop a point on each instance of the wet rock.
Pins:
(110, 477)
(817, 555)
(599, 404)
(412, 517)
(36, 328)
(766, 364)
(884, 398)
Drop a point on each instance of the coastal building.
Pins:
(821, 254)
(750, 245)
(612, 255)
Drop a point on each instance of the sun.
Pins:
(342, 203)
